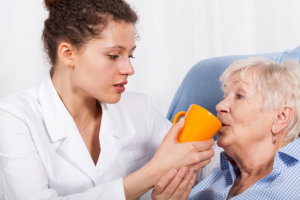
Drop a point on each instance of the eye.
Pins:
(113, 57)
(239, 96)
(131, 56)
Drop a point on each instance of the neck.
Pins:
(81, 107)
(256, 158)
(255, 162)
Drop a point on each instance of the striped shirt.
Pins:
(282, 183)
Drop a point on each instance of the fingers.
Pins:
(199, 165)
(166, 191)
(189, 187)
(196, 157)
(185, 186)
(206, 155)
(175, 186)
(176, 128)
(172, 187)
(164, 182)
(203, 145)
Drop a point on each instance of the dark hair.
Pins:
(78, 21)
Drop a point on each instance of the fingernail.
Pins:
(183, 170)
(172, 173)
(181, 120)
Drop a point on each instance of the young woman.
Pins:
(78, 135)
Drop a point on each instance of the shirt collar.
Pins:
(291, 150)
(59, 121)
(57, 118)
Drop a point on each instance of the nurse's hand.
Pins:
(176, 184)
(173, 155)
(170, 155)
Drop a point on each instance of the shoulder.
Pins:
(19, 103)
(138, 109)
(15, 113)
(131, 102)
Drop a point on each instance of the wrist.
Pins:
(142, 180)
(155, 170)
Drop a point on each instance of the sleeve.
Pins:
(23, 174)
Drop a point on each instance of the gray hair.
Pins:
(279, 83)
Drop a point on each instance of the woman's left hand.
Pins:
(175, 185)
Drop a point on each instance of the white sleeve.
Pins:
(23, 174)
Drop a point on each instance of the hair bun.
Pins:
(50, 3)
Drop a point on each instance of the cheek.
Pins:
(94, 71)
(247, 113)
(245, 120)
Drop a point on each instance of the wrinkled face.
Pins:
(102, 65)
(244, 121)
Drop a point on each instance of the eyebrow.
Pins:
(235, 84)
(121, 47)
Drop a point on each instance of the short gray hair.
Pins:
(280, 84)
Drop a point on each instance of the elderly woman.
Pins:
(260, 114)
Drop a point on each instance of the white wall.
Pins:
(22, 63)
(174, 35)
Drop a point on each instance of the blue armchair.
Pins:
(201, 84)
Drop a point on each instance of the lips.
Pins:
(120, 87)
(224, 123)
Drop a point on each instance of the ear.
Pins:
(282, 119)
(66, 53)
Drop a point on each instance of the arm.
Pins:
(170, 155)
(25, 176)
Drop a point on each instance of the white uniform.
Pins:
(43, 156)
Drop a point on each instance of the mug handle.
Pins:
(177, 116)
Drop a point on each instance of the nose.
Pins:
(223, 106)
(127, 68)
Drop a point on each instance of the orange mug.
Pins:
(199, 125)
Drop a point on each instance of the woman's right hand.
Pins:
(173, 155)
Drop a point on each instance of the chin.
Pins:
(113, 99)
(221, 141)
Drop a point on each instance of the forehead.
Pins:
(238, 80)
(119, 32)
(116, 35)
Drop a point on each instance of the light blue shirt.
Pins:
(282, 183)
